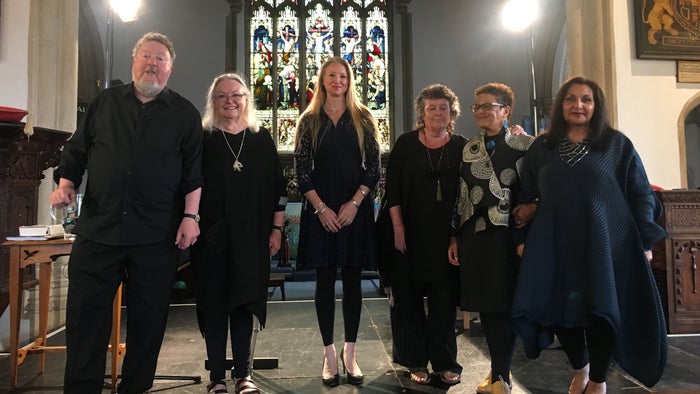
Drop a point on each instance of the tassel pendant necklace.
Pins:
(237, 165)
(435, 170)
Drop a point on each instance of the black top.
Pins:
(412, 183)
(231, 258)
(336, 170)
(142, 160)
(489, 184)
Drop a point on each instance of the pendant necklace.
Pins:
(237, 165)
(436, 169)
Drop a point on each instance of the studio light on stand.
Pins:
(128, 11)
(518, 16)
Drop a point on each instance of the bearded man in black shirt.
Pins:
(141, 146)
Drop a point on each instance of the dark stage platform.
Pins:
(292, 337)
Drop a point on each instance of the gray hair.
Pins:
(157, 37)
(436, 92)
(209, 114)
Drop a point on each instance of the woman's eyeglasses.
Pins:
(485, 106)
(225, 97)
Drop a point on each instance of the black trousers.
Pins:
(419, 338)
(500, 338)
(216, 329)
(94, 273)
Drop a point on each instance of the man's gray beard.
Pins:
(148, 89)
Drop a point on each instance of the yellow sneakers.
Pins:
(500, 387)
(485, 387)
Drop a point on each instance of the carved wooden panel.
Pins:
(685, 275)
(676, 259)
(685, 217)
(22, 162)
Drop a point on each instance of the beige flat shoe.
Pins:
(579, 381)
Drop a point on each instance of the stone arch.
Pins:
(687, 109)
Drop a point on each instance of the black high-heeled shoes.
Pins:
(332, 381)
(355, 380)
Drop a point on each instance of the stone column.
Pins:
(231, 35)
(590, 46)
(53, 63)
(52, 102)
(53, 74)
(406, 43)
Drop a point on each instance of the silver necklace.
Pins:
(572, 152)
(237, 165)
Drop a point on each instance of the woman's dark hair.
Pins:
(502, 92)
(600, 129)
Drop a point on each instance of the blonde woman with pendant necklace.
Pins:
(242, 214)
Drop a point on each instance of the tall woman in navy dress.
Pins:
(242, 213)
(585, 272)
(421, 187)
(337, 165)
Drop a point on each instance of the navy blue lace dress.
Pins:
(336, 170)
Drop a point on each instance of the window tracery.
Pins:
(290, 40)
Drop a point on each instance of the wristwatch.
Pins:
(194, 216)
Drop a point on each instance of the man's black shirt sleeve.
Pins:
(142, 159)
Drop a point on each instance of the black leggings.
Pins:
(240, 323)
(500, 338)
(324, 299)
(593, 344)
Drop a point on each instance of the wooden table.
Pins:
(22, 255)
(277, 280)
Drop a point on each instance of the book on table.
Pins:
(38, 232)
(33, 231)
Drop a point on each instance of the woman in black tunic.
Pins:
(421, 186)
(242, 213)
(585, 273)
(485, 246)
(337, 165)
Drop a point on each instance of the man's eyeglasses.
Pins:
(225, 97)
(485, 106)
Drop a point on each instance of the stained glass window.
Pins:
(290, 40)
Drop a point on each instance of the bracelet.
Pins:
(321, 208)
(355, 203)
(280, 228)
(364, 193)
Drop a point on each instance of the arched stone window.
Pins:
(288, 40)
(692, 148)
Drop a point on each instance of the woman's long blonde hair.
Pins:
(310, 119)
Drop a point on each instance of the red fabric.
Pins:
(9, 114)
